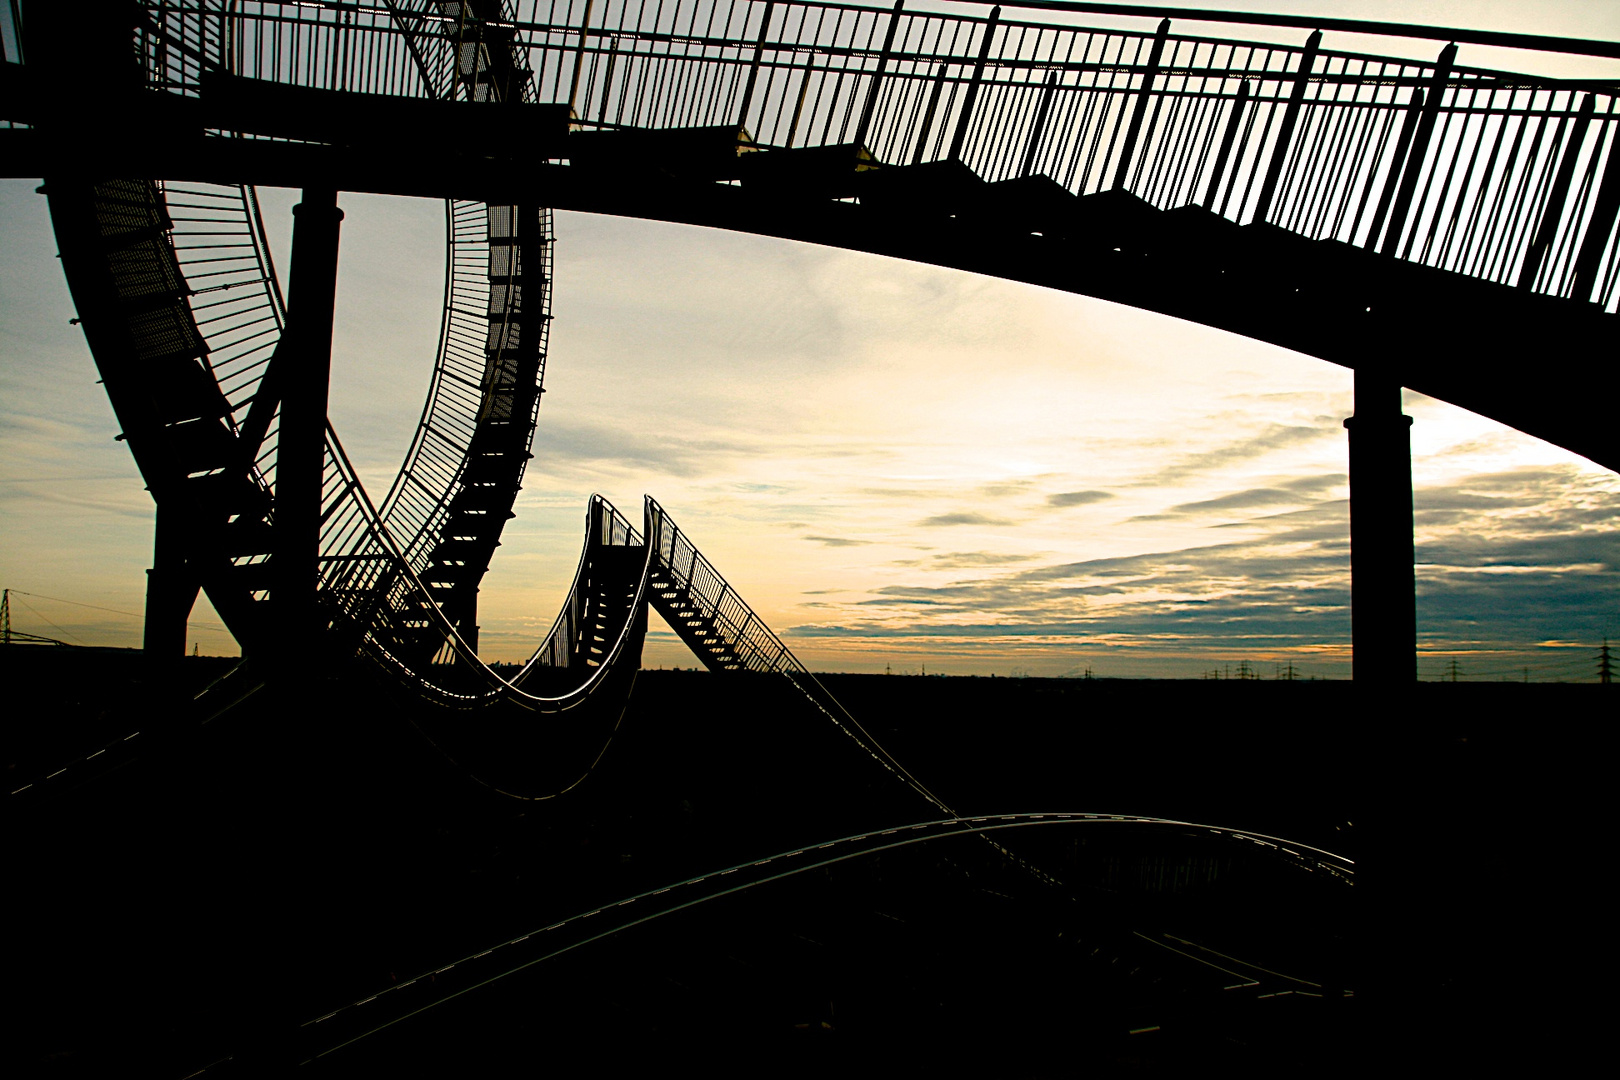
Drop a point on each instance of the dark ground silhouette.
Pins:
(204, 897)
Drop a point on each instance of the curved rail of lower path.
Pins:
(354, 1021)
(620, 574)
(219, 697)
(379, 607)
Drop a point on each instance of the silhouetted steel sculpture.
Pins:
(1428, 224)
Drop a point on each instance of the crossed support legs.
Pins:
(297, 381)
(1383, 627)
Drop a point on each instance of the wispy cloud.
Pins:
(1077, 498)
(1003, 488)
(958, 560)
(563, 441)
(1175, 491)
(1298, 490)
(962, 517)
(1522, 569)
(1273, 438)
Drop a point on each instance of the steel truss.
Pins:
(184, 314)
(1495, 175)
(1476, 174)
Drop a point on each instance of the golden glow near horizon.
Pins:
(896, 465)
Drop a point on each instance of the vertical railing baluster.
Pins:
(1553, 210)
(1039, 127)
(1366, 121)
(1122, 168)
(798, 108)
(1239, 105)
(1525, 194)
(579, 54)
(1397, 165)
(865, 124)
(1197, 137)
(1410, 165)
(1313, 186)
(753, 68)
(1454, 221)
(1102, 101)
(966, 116)
(928, 115)
(1285, 133)
(1600, 224)
(1150, 150)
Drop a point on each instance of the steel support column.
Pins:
(171, 588)
(1383, 611)
(305, 370)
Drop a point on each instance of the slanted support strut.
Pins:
(171, 588)
(305, 372)
(1383, 609)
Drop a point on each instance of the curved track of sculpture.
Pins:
(1206, 179)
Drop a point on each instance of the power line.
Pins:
(59, 479)
(58, 629)
(115, 611)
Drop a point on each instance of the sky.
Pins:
(899, 467)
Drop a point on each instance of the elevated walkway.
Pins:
(1450, 228)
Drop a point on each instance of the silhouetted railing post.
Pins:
(1233, 122)
(966, 116)
(1038, 128)
(1601, 222)
(928, 115)
(579, 54)
(877, 76)
(1553, 212)
(1128, 151)
(301, 445)
(1392, 182)
(1409, 164)
(1285, 133)
(1383, 611)
(753, 68)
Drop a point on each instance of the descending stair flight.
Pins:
(1318, 191)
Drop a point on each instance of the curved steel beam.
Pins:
(1518, 185)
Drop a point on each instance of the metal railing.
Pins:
(747, 640)
(221, 250)
(470, 383)
(1501, 176)
(604, 527)
(219, 239)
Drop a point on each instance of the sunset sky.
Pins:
(896, 465)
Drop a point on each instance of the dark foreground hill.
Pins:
(200, 900)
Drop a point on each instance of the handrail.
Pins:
(1499, 38)
(373, 542)
(1048, 100)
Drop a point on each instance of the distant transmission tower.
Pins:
(1605, 668)
(1452, 669)
(5, 625)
